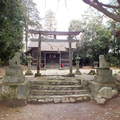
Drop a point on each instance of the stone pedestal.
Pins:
(17, 89)
(103, 80)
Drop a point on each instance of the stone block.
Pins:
(51, 88)
(53, 83)
(48, 100)
(86, 92)
(45, 88)
(105, 79)
(69, 88)
(100, 100)
(69, 93)
(39, 93)
(41, 100)
(34, 100)
(64, 88)
(45, 83)
(29, 73)
(104, 72)
(78, 73)
(39, 87)
(95, 87)
(114, 93)
(37, 82)
(80, 98)
(59, 83)
(84, 82)
(72, 99)
(76, 88)
(105, 92)
(13, 72)
(76, 83)
(65, 83)
(22, 91)
(13, 79)
(85, 98)
(62, 93)
(65, 100)
(48, 93)
(57, 88)
(57, 100)
(71, 83)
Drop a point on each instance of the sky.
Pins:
(64, 13)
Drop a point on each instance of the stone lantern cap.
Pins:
(78, 58)
(29, 57)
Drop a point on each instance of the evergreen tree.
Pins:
(11, 29)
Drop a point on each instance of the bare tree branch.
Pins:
(99, 7)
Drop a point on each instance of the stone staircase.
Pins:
(57, 89)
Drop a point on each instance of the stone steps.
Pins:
(57, 92)
(54, 82)
(59, 98)
(57, 89)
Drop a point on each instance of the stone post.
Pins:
(29, 60)
(70, 59)
(38, 74)
(77, 72)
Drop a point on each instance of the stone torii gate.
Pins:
(54, 33)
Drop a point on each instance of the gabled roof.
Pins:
(52, 46)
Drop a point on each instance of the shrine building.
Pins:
(52, 53)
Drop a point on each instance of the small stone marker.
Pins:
(29, 60)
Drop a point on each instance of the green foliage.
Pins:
(94, 41)
(23, 58)
(113, 60)
(11, 30)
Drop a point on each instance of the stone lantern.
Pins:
(77, 72)
(29, 60)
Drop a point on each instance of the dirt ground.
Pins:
(72, 111)
(63, 111)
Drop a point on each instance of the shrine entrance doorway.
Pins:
(52, 58)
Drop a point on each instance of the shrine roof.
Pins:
(52, 46)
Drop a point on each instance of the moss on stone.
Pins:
(70, 75)
(13, 87)
(117, 83)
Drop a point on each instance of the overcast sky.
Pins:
(64, 13)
